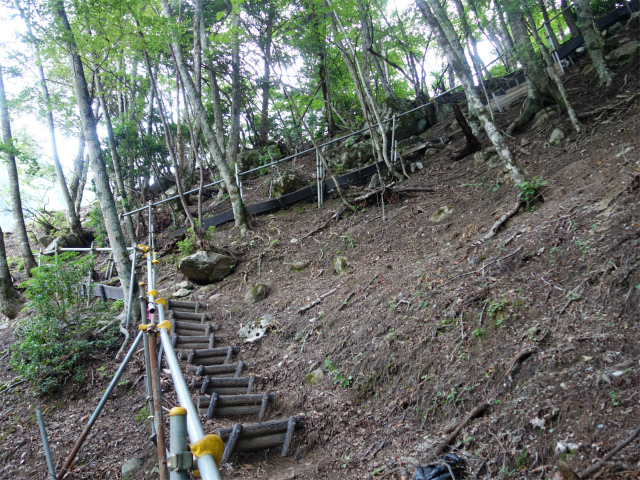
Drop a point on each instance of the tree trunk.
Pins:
(554, 74)
(545, 17)
(234, 124)
(99, 171)
(568, 18)
(539, 92)
(241, 216)
(323, 75)
(445, 34)
(14, 185)
(72, 217)
(591, 43)
(10, 302)
(79, 169)
(266, 81)
(115, 157)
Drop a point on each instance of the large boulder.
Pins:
(627, 51)
(352, 154)
(256, 294)
(287, 182)
(408, 125)
(253, 158)
(206, 267)
(69, 240)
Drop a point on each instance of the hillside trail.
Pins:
(539, 325)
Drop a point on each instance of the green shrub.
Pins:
(96, 221)
(53, 343)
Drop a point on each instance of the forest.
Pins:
(476, 184)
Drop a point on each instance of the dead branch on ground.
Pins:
(501, 221)
(309, 306)
(457, 427)
(608, 456)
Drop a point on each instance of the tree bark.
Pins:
(115, 158)
(99, 171)
(79, 169)
(241, 216)
(569, 20)
(545, 17)
(10, 301)
(591, 43)
(14, 185)
(266, 81)
(445, 35)
(539, 92)
(234, 123)
(554, 74)
(72, 217)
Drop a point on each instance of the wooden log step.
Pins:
(260, 443)
(230, 405)
(184, 304)
(232, 368)
(212, 356)
(203, 342)
(236, 400)
(194, 317)
(189, 327)
(260, 429)
(210, 385)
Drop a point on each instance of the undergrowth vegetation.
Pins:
(63, 331)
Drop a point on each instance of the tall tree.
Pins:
(10, 301)
(98, 168)
(591, 43)
(14, 186)
(241, 216)
(72, 217)
(441, 27)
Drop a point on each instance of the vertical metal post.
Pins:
(500, 109)
(206, 463)
(131, 280)
(158, 419)
(147, 362)
(319, 179)
(45, 443)
(96, 413)
(238, 181)
(178, 443)
(393, 139)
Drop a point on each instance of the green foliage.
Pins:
(189, 245)
(95, 220)
(530, 189)
(53, 343)
(338, 377)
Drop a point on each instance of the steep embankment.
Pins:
(424, 327)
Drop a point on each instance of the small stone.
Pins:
(617, 374)
(215, 296)
(183, 292)
(298, 266)
(256, 294)
(341, 265)
(440, 214)
(293, 240)
(600, 426)
(480, 157)
(430, 152)
(556, 137)
(375, 182)
(627, 51)
(315, 377)
(491, 149)
(130, 467)
(186, 284)
(419, 165)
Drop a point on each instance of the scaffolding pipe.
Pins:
(206, 463)
(45, 443)
(131, 280)
(96, 413)
(147, 379)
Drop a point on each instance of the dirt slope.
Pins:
(424, 326)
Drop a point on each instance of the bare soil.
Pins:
(422, 326)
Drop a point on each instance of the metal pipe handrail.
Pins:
(206, 463)
(96, 413)
(290, 157)
(86, 249)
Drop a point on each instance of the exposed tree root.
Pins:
(501, 221)
(531, 108)
(600, 464)
(473, 145)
